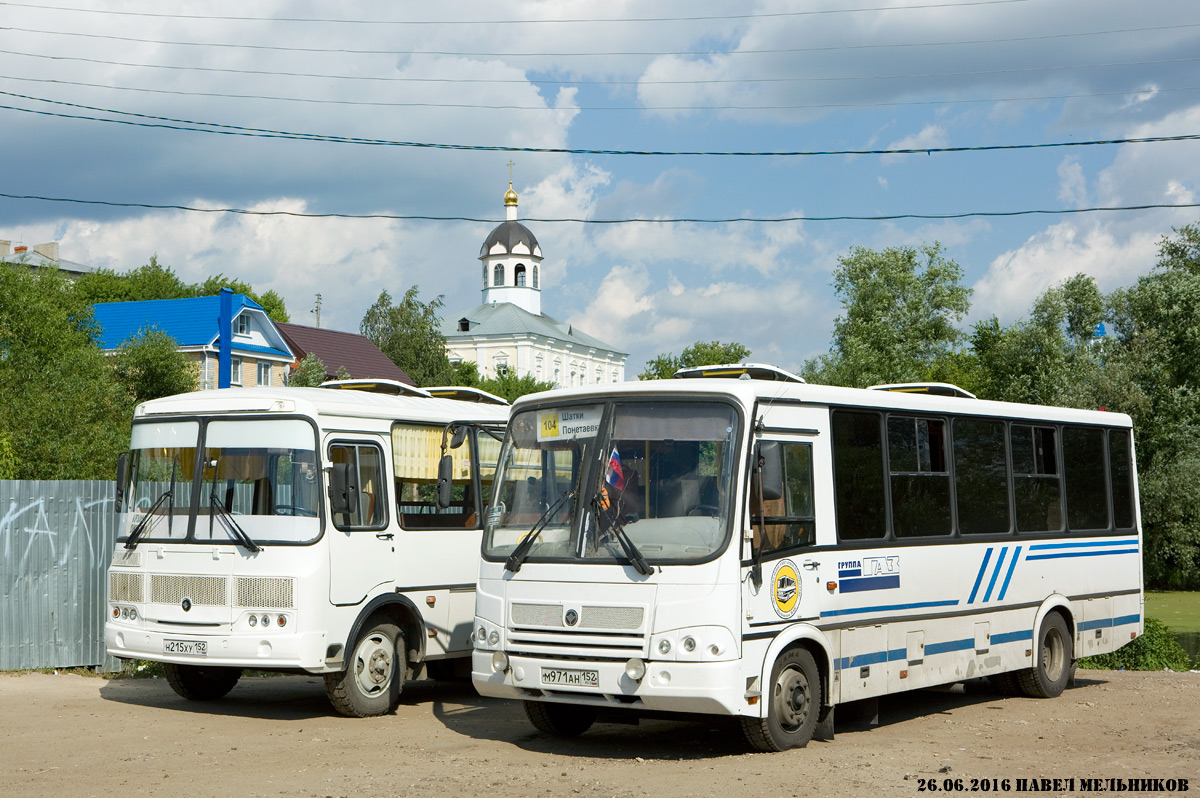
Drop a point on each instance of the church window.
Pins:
(519, 274)
(485, 275)
(498, 274)
(535, 279)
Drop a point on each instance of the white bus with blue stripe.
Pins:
(768, 549)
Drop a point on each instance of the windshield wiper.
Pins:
(143, 525)
(231, 525)
(522, 550)
(617, 527)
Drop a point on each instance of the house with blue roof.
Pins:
(508, 332)
(259, 353)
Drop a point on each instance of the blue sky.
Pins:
(764, 76)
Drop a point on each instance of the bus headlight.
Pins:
(689, 644)
(664, 646)
(494, 638)
(500, 662)
(635, 669)
(253, 620)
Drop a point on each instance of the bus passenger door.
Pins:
(782, 527)
(361, 543)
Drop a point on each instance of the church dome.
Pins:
(510, 234)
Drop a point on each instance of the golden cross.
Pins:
(510, 165)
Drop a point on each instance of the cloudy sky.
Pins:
(172, 103)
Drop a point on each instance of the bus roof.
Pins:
(752, 392)
(321, 402)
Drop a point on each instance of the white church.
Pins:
(509, 332)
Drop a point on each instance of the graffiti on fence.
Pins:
(23, 525)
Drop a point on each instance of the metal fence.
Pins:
(56, 540)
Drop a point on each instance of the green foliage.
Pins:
(342, 374)
(310, 373)
(150, 365)
(901, 306)
(410, 334)
(65, 414)
(512, 387)
(701, 353)
(8, 457)
(1155, 650)
(156, 281)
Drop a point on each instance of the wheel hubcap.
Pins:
(373, 665)
(792, 699)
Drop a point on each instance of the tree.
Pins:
(901, 306)
(410, 334)
(150, 365)
(701, 353)
(64, 414)
(511, 387)
(156, 281)
(310, 373)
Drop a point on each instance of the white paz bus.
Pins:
(767, 549)
(299, 529)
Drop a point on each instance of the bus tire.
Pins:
(1005, 683)
(201, 682)
(560, 720)
(371, 683)
(793, 704)
(1050, 674)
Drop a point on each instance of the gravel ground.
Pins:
(70, 735)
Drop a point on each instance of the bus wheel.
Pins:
(201, 682)
(371, 683)
(793, 703)
(1049, 675)
(561, 720)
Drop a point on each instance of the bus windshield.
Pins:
(258, 475)
(612, 483)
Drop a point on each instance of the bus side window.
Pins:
(858, 475)
(789, 521)
(364, 474)
(1036, 478)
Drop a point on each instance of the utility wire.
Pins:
(631, 220)
(810, 106)
(395, 79)
(705, 18)
(235, 130)
(576, 54)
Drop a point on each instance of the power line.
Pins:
(631, 220)
(808, 106)
(577, 54)
(805, 79)
(236, 130)
(591, 20)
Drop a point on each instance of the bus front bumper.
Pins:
(303, 651)
(712, 688)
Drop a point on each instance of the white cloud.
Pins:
(930, 136)
(1072, 186)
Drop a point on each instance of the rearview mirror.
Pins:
(341, 498)
(768, 470)
(120, 494)
(445, 481)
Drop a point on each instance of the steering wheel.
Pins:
(709, 510)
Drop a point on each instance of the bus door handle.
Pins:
(385, 536)
(811, 564)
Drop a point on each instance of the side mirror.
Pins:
(341, 499)
(445, 481)
(122, 462)
(459, 435)
(768, 470)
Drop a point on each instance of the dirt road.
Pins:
(72, 736)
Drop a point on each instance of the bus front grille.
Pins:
(598, 617)
(263, 592)
(203, 591)
(125, 587)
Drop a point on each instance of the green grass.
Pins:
(1179, 610)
